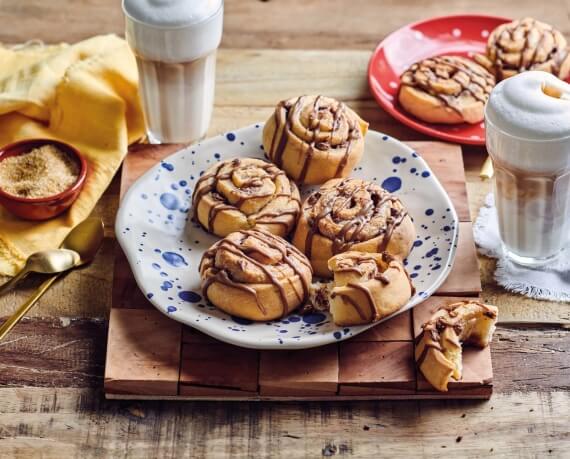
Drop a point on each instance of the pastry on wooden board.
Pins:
(439, 346)
(526, 44)
(446, 89)
(314, 138)
(255, 275)
(352, 214)
(245, 193)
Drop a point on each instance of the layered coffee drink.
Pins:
(527, 121)
(175, 43)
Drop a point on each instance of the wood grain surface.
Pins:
(51, 366)
(298, 24)
(71, 353)
(80, 423)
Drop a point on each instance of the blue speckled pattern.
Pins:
(164, 246)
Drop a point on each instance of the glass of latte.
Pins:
(175, 43)
(527, 120)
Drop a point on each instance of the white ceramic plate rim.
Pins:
(246, 340)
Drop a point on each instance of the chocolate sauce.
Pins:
(369, 297)
(286, 251)
(239, 251)
(427, 346)
(344, 161)
(378, 275)
(353, 303)
(392, 225)
(214, 210)
(349, 269)
(223, 278)
(276, 153)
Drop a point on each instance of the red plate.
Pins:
(459, 35)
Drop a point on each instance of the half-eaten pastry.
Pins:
(366, 288)
(438, 347)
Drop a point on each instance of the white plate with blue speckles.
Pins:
(164, 246)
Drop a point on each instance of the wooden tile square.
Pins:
(219, 365)
(398, 328)
(477, 363)
(446, 162)
(191, 335)
(126, 293)
(143, 353)
(307, 372)
(423, 311)
(477, 368)
(376, 368)
(464, 278)
(140, 159)
(477, 372)
(214, 393)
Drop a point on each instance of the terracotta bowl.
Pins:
(51, 206)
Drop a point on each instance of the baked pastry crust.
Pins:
(245, 193)
(367, 287)
(446, 89)
(314, 138)
(526, 44)
(352, 214)
(438, 347)
(255, 275)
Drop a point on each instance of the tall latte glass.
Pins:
(175, 43)
(527, 120)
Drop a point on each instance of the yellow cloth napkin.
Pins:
(83, 94)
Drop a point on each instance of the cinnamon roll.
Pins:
(352, 214)
(314, 138)
(526, 44)
(245, 193)
(255, 275)
(438, 347)
(367, 287)
(446, 89)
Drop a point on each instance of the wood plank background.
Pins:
(51, 366)
(297, 24)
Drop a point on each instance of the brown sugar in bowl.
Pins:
(47, 207)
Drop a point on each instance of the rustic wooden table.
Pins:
(51, 366)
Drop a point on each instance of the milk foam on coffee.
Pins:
(175, 43)
(531, 106)
(173, 30)
(527, 122)
(171, 13)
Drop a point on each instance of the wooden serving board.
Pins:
(150, 356)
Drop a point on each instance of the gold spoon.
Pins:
(45, 262)
(85, 239)
(487, 170)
